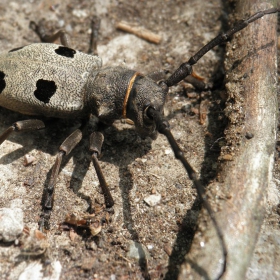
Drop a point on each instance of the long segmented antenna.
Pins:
(185, 69)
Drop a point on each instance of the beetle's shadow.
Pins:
(125, 145)
(217, 123)
(120, 148)
(46, 140)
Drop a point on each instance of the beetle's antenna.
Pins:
(164, 128)
(185, 68)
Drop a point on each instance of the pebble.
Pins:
(137, 251)
(153, 199)
(11, 224)
(34, 270)
(28, 159)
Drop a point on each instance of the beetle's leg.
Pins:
(95, 26)
(22, 126)
(185, 69)
(63, 36)
(66, 147)
(96, 141)
(47, 38)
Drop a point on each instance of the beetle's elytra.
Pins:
(48, 80)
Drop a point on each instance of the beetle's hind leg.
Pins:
(40, 30)
(22, 126)
(95, 26)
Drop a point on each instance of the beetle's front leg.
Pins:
(66, 147)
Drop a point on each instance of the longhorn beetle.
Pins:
(50, 80)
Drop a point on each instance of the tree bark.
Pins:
(238, 196)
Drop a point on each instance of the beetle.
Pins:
(49, 80)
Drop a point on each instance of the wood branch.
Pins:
(139, 32)
(250, 136)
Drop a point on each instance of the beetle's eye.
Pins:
(148, 119)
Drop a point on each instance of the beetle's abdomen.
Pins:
(45, 79)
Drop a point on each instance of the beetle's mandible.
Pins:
(49, 80)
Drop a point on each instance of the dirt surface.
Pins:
(134, 168)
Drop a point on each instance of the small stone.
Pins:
(168, 249)
(39, 235)
(28, 159)
(153, 199)
(227, 157)
(137, 251)
(93, 246)
(103, 258)
(249, 135)
(192, 94)
(72, 235)
(95, 228)
(80, 13)
(168, 151)
(32, 271)
(88, 263)
(186, 108)
(11, 224)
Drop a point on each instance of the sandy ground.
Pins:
(134, 168)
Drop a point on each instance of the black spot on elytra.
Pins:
(64, 51)
(45, 90)
(2, 81)
(16, 49)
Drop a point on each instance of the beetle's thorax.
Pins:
(106, 91)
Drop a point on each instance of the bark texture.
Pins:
(238, 195)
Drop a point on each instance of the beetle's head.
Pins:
(145, 93)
